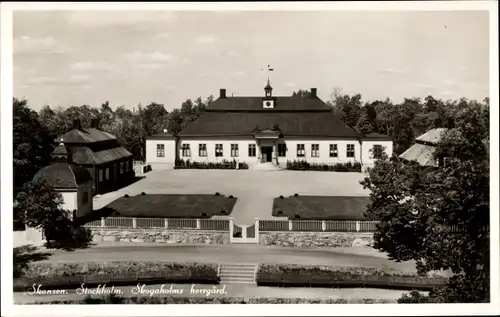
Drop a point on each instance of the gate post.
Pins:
(257, 230)
(231, 229)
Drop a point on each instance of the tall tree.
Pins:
(33, 144)
(439, 217)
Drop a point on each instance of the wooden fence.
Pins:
(317, 225)
(223, 224)
(156, 223)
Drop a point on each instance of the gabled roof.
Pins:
(62, 175)
(312, 124)
(289, 103)
(161, 136)
(85, 135)
(432, 136)
(420, 153)
(86, 156)
(376, 136)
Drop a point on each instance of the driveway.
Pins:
(255, 190)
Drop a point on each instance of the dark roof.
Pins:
(319, 124)
(62, 175)
(60, 150)
(376, 136)
(86, 156)
(291, 103)
(85, 135)
(161, 136)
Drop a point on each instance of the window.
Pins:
(252, 152)
(218, 150)
(186, 151)
(314, 150)
(281, 149)
(334, 150)
(107, 173)
(121, 167)
(202, 150)
(350, 150)
(160, 150)
(85, 198)
(301, 150)
(377, 150)
(101, 175)
(234, 150)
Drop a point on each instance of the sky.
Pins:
(65, 58)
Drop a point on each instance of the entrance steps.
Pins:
(266, 167)
(238, 273)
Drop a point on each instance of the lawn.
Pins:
(171, 206)
(321, 207)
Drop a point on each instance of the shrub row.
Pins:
(59, 275)
(324, 276)
(214, 300)
(224, 164)
(339, 167)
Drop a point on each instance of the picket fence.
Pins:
(223, 224)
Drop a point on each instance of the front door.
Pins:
(267, 154)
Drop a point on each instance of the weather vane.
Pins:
(269, 69)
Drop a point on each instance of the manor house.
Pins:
(266, 130)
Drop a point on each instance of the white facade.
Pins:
(160, 154)
(79, 201)
(366, 151)
(326, 151)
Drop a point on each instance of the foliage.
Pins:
(40, 206)
(299, 269)
(417, 208)
(32, 145)
(224, 164)
(339, 167)
(116, 268)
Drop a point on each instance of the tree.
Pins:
(303, 93)
(439, 217)
(33, 144)
(364, 124)
(41, 208)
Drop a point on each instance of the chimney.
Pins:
(77, 124)
(94, 123)
(222, 93)
(314, 92)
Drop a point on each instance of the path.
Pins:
(255, 190)
(232, 290)
(122, 251)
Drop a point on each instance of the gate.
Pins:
(244, 234)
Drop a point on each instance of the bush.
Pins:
(224, 164)
(339, 167)
(121, 272)
(231, 197)
(414, 297)
(281, 197)
(143, 193)
(126, 196)
(323, 276)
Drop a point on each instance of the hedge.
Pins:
(339, 167)
(215, 300)
(68, 275)
(324, 276)
(224, 164)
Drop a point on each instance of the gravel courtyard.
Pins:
(255, 190)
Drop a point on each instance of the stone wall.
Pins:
(317, 239)
(161, 236)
